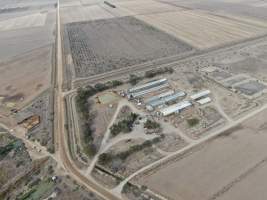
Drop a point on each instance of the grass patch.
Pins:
(38, 191)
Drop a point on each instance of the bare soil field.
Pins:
(219, 169)
(24, 78)
(203, 30)
(15, 5)
(250, 8)
(21, 41)
(84, 13)
(250, 65)
(33, 20)
(104, 45)
(139, 7)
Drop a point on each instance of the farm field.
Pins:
(139, 7)
(104, 45)
(19, 85)
(203, 30)
(33, 20)
(84, 13)
(250, 8)
(219, 169)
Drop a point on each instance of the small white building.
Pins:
(175, 108)
(204, 100)
(200, 95)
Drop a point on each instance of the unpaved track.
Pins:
(106, 143)
(60, 136)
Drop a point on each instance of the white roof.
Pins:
(150, 84)
(164, 94)
(200, 94)
(167, 99)
(204, 100)
(175, 108)
(153, 89)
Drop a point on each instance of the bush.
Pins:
(154, 72)
(151, 124)
(116, 83)
(6, 149)
(133, 79)
(100, 87)
(104, 158)
(192, 122)
(124, 126)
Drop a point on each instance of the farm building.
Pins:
(147, 88)
(204, 100)
(161, 95)
(148, 85)
(167, 99)
(175, 108)
(200, 95)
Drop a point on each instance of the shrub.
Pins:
(151, 124)
(192, 122)
(124, 126)
(134, 79)
(104, 158)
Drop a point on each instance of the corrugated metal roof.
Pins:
(154, 98)
(167, 99)
(175, 108)
(147, 85)
(204, 100)
(200, 94)
(141, 93)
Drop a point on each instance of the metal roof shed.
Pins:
(161, 95)
(175, 108)
(148, 85)
(167, 99)
(204, 100)
(143, 92)
(200, 94)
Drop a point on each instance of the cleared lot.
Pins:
(202, 30)
(223, 166)
(103, 45)
(84, 13)
(144, 7)
(26, 76)
(258, 179)
(33, 20)
(251, 8)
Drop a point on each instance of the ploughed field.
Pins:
(203, 30)
(103, 45)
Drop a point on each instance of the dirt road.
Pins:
(60, 136)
